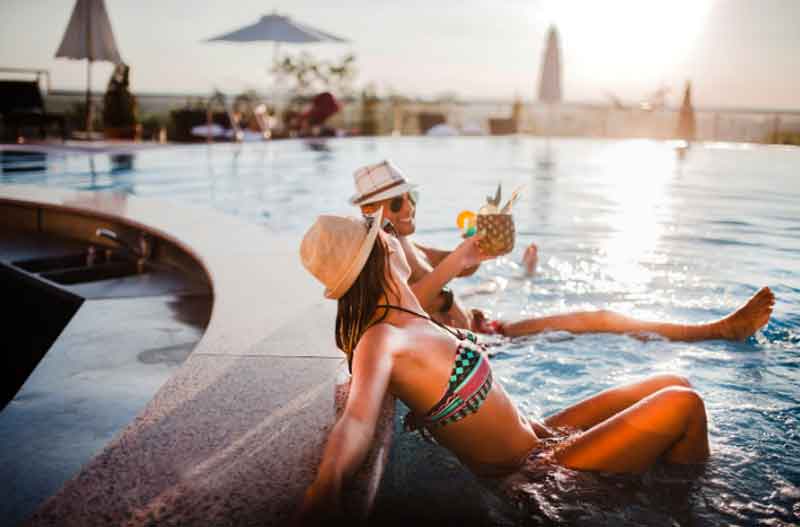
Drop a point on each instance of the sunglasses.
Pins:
(397, 203)
(386, 225)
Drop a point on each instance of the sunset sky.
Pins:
(738, 53)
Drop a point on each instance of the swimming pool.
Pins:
(620, 225)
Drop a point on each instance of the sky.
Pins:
(737, 53)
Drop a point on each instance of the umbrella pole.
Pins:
(90, 54)
(275, 74)
(550, 130)
(89, 99)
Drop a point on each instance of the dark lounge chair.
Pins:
(428, 120)
(22, 109)
(323, 106)
(312, 122)
(502, 126)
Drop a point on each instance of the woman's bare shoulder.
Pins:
(394, 339)
(379, 344)
(389, 338)
(381, 335)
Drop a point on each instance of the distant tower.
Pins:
(686, 119)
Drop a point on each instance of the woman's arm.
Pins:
(352, 435)
(466, 255)
(420, 269)
(530, 259)
(420, 266)
(435, 256)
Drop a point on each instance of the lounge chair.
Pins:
(311, 122)
(323, 106)
(502, 126)
(197, 125)
(22, 108)
(428, 120)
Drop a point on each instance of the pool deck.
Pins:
(234, 437)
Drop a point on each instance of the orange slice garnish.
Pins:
(465, 219)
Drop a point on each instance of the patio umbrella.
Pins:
(277, 28)
(550, 81)
(89, 36)
(686, 119)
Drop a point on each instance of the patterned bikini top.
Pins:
(468, 386)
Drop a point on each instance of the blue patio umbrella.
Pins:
(277, 28)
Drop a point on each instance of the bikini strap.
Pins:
(457, 334)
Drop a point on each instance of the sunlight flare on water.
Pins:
(635, 179)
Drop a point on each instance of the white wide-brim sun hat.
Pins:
(379, 182)
(336, 248)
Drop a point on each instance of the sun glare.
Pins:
(652, 37)
(638, 175)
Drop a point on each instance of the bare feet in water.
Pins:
(749, 318)
(530, 259)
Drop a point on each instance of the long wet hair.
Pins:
(357, 306)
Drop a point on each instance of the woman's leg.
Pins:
(608, 403)
(739, 325)
(670, 423)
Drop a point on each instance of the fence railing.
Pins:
(569, 120)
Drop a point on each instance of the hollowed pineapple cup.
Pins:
(498, 233)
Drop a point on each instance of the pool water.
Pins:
(620, 225)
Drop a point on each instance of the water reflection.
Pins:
(121, 163)
(635, 182)
(541, 193)
(22, 161)
(317, 145)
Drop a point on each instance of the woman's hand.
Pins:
(318, 508)
(457, 316)
(482, 324)
(470, 253)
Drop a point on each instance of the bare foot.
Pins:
(749, 318)
(530, 259)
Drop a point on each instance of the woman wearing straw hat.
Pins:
(443, 376)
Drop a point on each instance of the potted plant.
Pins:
(119, 107)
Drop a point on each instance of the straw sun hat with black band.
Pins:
(336, 248)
